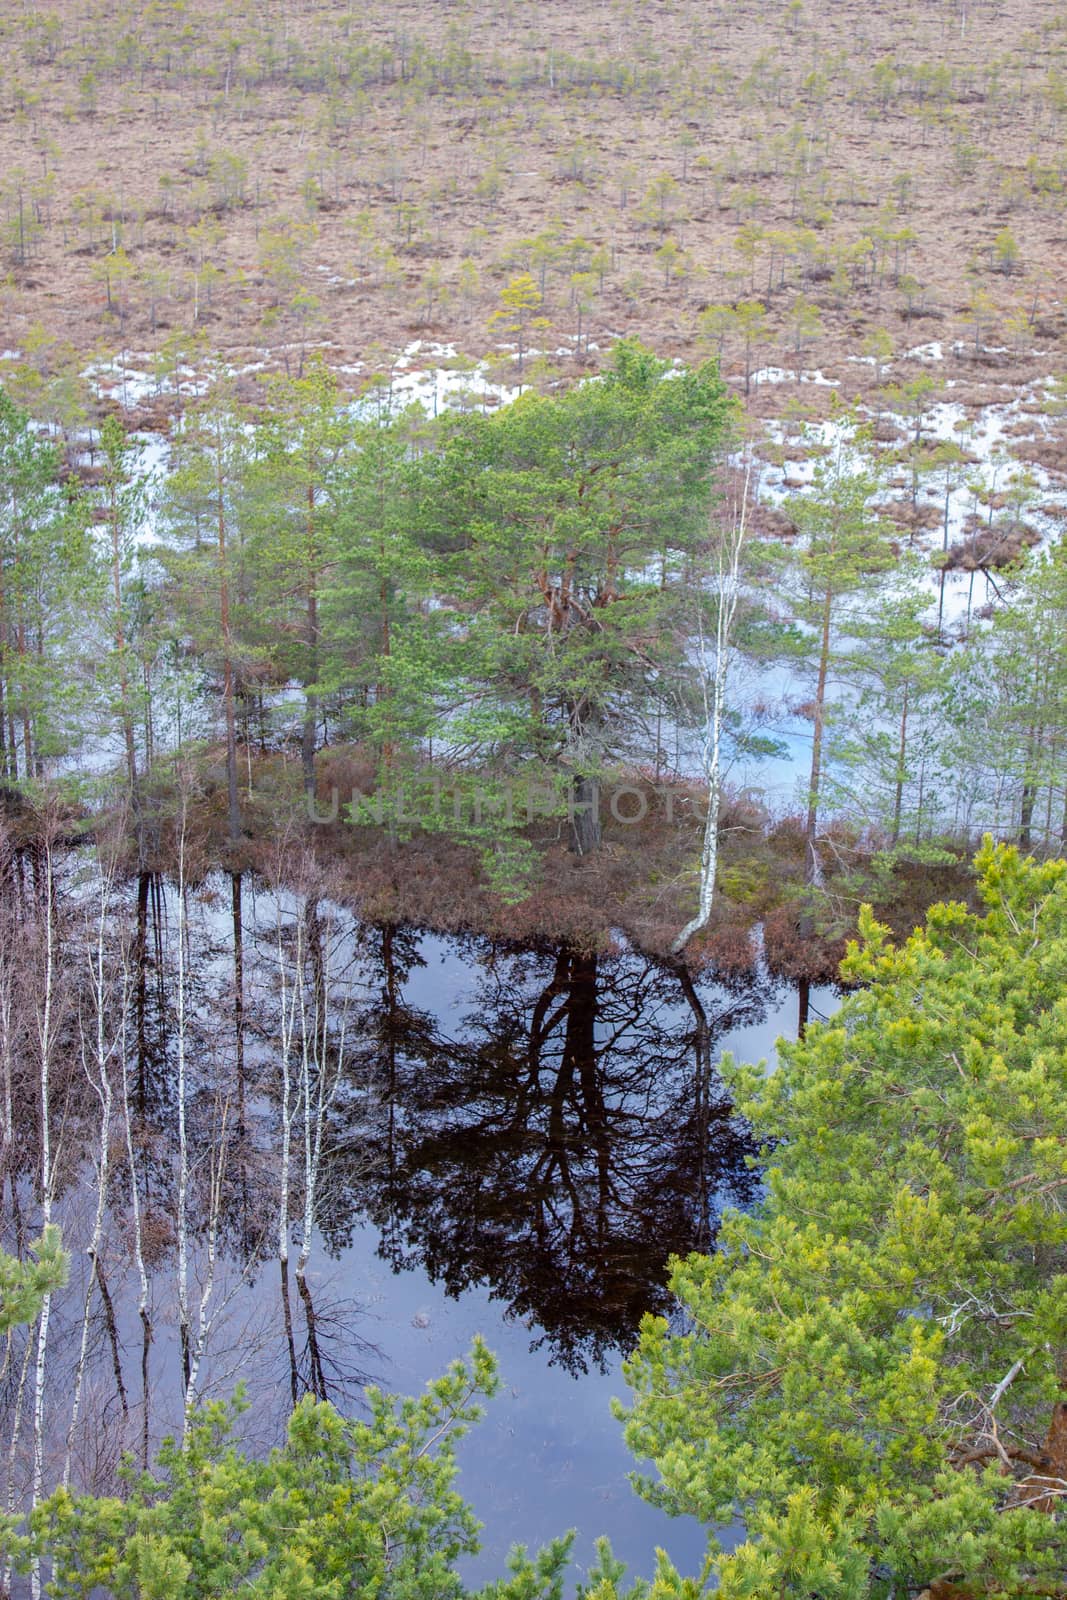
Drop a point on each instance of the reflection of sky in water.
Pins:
(549, 1455)
(445, 986)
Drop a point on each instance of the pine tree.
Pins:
(577, 518)
(206, 512)
(299, 489)
(872, 1370)
(830, 577)
(49, 590)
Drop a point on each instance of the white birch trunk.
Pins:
(288, 994)
(96, 1065)
(204, 1317)
(316, 1101)
(731, 548)
(6, 1060)
(289, 1004)
(138, 1240)
(45, 1023)
(183, 1145)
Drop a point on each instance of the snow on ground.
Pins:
(790, 375)
(439, 389)
(986, 437)
(436, 376)
(133, 382)
(433, 374)
(934, 351)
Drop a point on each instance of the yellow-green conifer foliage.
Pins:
(873, 1372)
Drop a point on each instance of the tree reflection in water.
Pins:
(566, 1137)
(544, 1126)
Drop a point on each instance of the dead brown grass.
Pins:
(642, 882)
(414, 147)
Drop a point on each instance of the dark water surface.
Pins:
(513, 1142)
(551, 1127)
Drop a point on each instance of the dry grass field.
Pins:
(295, 173)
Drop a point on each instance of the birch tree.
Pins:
(310, 1032)
(98, 1051)
(288, 1013)
(136, 1217)
(47, 1019)
(322, 1062)
(182, 1225)
(714, 675)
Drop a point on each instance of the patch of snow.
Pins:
(983, 435)
(133, 385)
(934, 351)
(788, 375)
(439, 389)
(441, 352)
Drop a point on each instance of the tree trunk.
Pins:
(898, 799)
(1029, 795)
(311, 714)
(817, 729)
(227, 655)
(238, 999)
(731, 549)
(120, 641)
(45, 1026)
(585, 815)
(183, 1142)
(803, 1005)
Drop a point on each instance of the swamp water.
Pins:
(576, 1136)
(506, 1142)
